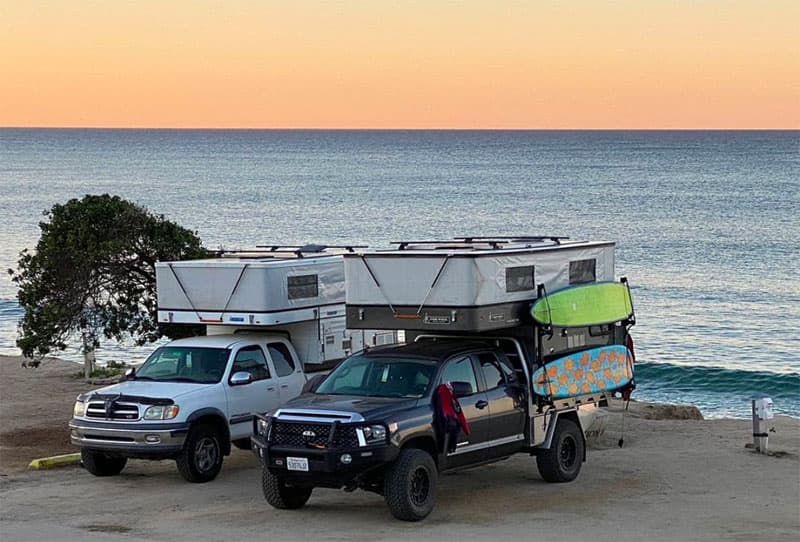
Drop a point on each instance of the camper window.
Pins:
(519, 279)
(281, 359)
(303, 286)
(582, 271)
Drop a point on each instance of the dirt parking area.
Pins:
(673, 480)
(35, 407)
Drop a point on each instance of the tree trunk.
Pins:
(88, 357)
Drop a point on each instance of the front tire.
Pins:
(562, 462)
(409, 486)
(283, 496)
(201, 458)
(101, 464)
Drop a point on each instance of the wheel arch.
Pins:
(571, 415)
(426, 443)
(215, 418)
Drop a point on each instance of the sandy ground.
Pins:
(673, 480)
(35, 406)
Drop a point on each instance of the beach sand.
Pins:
(674, 479)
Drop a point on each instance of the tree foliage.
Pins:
(93, 272)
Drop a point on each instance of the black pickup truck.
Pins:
(372, 424)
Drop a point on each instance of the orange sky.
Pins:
(426, 64)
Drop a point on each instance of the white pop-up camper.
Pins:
(297, 290)
(469, 284)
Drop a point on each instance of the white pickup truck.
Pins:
(268, 312)
(189, 401)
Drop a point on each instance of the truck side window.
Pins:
(460, 370)
(507, 367)
(284, 365)
(251, 359)
(492, 372)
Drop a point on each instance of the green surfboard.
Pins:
(587, 305)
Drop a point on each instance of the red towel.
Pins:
(451, 409)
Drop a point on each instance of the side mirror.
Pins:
(240, 378)
(313, 383)
(461, 389)
(130, 373)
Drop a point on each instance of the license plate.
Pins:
(297, 463)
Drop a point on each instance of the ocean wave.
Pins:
(660, 380)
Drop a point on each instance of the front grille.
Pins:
(345, 437)
(116, 411)
(292, 434)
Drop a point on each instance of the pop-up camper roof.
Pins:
(268, 285)
(467, 283)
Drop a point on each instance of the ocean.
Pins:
(706, 222)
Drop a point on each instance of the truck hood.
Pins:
(150, 389)
(368, 407)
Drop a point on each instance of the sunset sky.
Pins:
(375, 64)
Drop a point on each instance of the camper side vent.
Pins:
(519, 279)
(303, 286)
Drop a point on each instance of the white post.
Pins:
(762, 411)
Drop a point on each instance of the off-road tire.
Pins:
(283, 496)
(101, 464)
(562, 462)
(200, 459)
(409, 486)
(242, 443)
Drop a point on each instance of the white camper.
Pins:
(297, 290)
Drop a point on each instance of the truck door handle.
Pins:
(271, 388)
(480, 405)
(284, 385)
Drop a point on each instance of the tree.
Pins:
(93, 273)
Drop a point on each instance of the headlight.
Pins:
(374, 434)
(161, 412)
(79, 410)
(262, 427)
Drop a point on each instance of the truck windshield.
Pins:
(380, 376)
(184, 364)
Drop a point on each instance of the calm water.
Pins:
(706, 222)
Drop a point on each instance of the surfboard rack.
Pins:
(541, 293)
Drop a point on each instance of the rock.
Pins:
(670, 412)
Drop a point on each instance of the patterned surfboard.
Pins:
(587, 305)
(592, 371)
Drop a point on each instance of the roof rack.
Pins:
(310, 248)
(275, 250)
(495, 242)
(514, 238)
